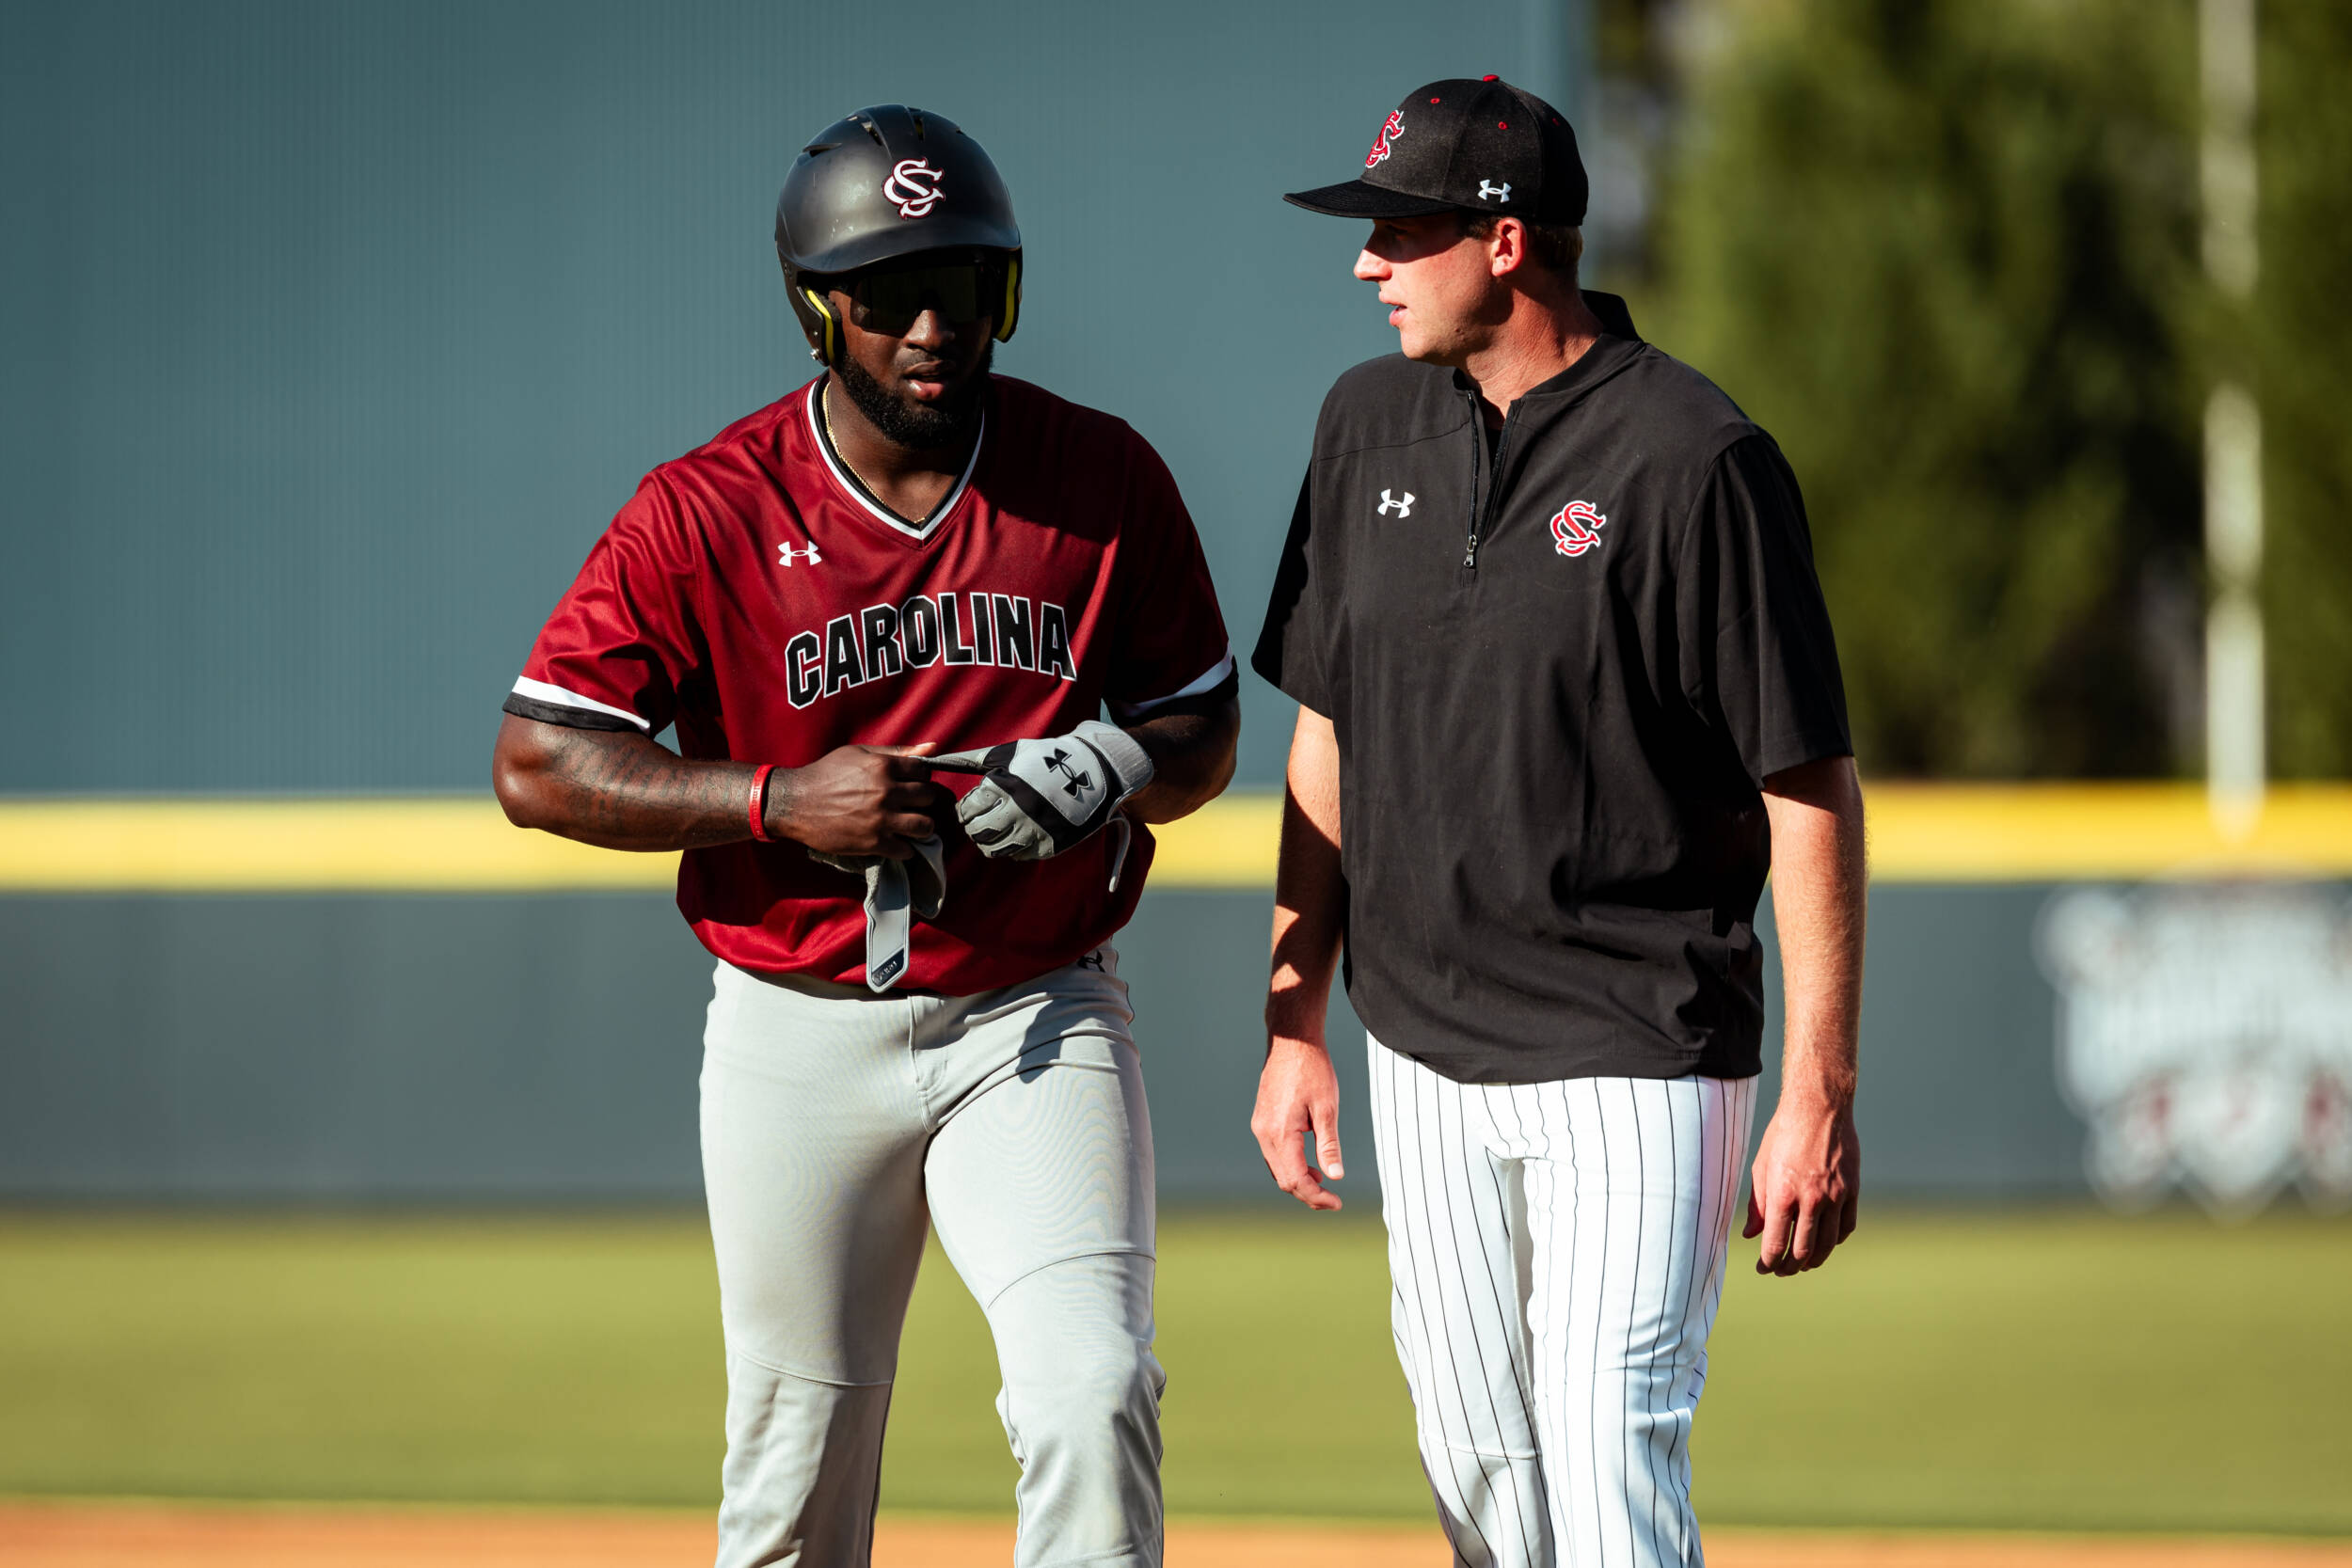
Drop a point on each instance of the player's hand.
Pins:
(1299, 1094)
(859, 801)
(1037, 798)
(1806, 1188)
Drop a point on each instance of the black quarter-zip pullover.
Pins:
(1559, 670)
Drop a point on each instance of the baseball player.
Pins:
(1567, 691)
(906, 565)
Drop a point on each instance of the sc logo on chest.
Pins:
(1576, 529)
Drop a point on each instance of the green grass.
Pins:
(2061, 1369)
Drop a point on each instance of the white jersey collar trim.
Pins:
(856, 491)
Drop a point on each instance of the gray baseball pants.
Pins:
(836, 1126)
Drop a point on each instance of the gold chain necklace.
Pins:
(825, 412)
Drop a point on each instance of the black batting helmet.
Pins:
(886, 182)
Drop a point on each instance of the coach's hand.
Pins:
(859, 801)
(1299, 1094)
(1806, 1188)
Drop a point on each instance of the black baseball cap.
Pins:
(1480, 146)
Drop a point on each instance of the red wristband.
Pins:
(759, 801)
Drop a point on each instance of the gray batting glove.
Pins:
(1037, 798)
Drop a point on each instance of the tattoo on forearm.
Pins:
(629, 790)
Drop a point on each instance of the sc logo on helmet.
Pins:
(914, 186)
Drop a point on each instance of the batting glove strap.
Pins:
(1037, 798)
(897, 894)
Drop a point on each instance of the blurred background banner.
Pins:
(2205, 1032)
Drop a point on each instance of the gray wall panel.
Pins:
(493, 1047)
(1197, 963)
(334, 334)
(365, 1046)
(1959, 1092)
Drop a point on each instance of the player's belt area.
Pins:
(896, 894)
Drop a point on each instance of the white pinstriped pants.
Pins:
(1557, 1252)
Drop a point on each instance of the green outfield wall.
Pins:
(392, 1047)
(409, 1002)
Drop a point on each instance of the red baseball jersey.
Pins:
(752, 593)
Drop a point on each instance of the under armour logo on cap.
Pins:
(1464, 146)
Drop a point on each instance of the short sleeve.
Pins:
(1290, 644)
(1170, 642)
(1758, 661)
(623, 639)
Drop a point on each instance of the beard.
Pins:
(920, 426)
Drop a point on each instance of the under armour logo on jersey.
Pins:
(1403, 507)
(1576, 528)
(914, 184)
(1092, 960)
(1501, 192)
(786, 553)
(1390, 129)
(1060, 762)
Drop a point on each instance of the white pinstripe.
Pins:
(1557, 1251)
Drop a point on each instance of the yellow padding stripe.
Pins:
(2079, 833)
(461, 844)
(454, 845)
(1918, 833)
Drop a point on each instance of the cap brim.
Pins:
(1354, 199)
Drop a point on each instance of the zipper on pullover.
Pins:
(1482, 517)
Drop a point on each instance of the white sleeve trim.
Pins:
(1210, 680)
(540, 691)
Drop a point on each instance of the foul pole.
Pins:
(2236, 744)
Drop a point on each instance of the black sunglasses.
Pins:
(889, 299)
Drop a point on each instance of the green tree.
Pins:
(1945, 251)
(2302, 330)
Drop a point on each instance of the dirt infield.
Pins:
(36, 1534)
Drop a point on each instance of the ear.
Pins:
(1506, 248)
